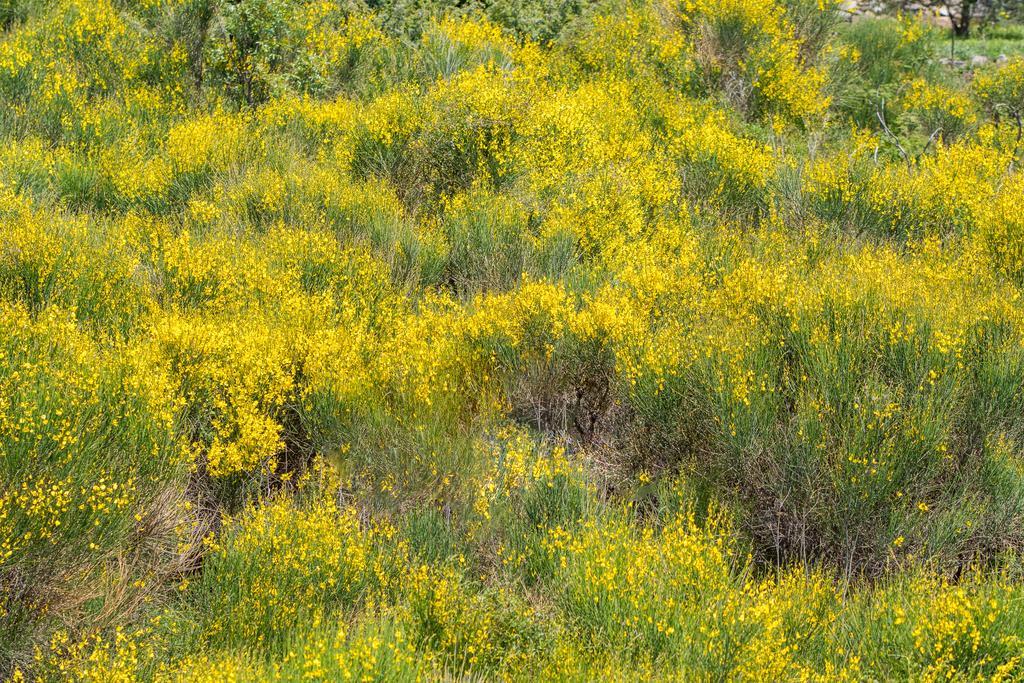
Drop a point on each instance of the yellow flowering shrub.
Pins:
(99, 658)
(86, 450)
(231, 391)
(628, 340)
(205, 144)
(940, 194)
(944, 628)
(1001, 232)
(939, 111)
(721, 167)
(671, 595)
(753, 43)
(635, 43)
(1002, 89)
(287, 567)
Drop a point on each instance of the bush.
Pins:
(90, 468)
(874, 56)
(749, 52)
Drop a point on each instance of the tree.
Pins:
(960, 12)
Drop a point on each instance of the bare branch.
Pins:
(931, 139)
(892, 136)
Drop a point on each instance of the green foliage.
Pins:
(540, 20)
(249, 47)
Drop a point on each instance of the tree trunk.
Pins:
(962, 24)
(962, 28)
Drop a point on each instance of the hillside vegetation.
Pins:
(545, 340)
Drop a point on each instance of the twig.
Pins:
(931, 139)
(885, 127)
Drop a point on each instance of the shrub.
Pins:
(874, 56)
(88, 460)
(748, 51)
(286, 567)
(1001, 92)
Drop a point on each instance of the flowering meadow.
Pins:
(563, 340)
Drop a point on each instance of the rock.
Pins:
(978, 60)
(1002, 59)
